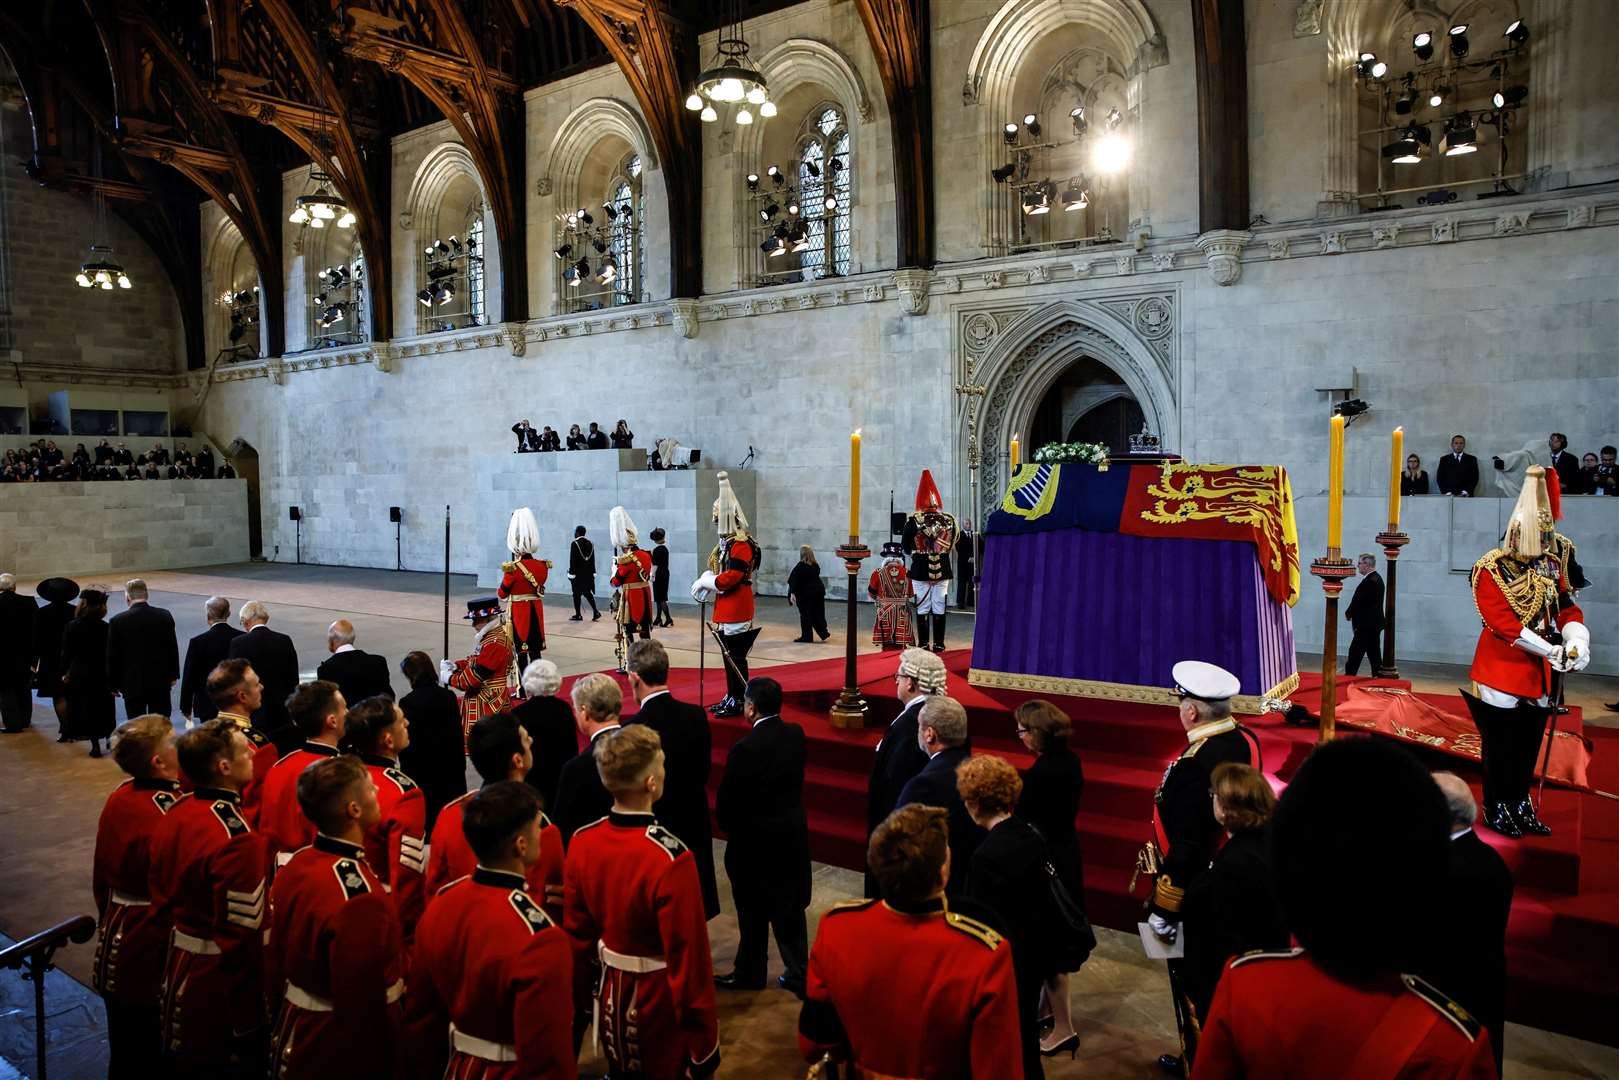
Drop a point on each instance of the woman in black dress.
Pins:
(1231, 909)
(52, 619)
(84, 671)
(622, 437)
(550, 725)
(1050, 802)
(660, 580)
(1008, 875)
(576, 438)
(807, 591)
(1414, 481)
(436, 757)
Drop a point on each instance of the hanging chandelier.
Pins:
(101, 270)
(731, 78)
(324, 205)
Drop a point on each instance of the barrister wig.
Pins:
(925, 667)
(1361, 830)
(523, 532)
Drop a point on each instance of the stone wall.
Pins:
(101, 528)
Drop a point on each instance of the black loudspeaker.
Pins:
(896, 522)
(395, 514)
(696, 456)
(294, 514)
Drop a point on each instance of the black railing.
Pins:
(33, 957)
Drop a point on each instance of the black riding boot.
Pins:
(938, 633)
(1529, 729)
(922, 630)
(1497, 756)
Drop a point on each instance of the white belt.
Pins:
(129, 899)
(282, 858)
(639, 965)
(302, 998)
(195, 945)
(481, 1048)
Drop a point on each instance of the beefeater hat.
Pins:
(927, 493)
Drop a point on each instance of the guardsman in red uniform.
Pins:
(929, 538)
(209, 879)
(891, 589)
(491, 982)
(484, 678)
(729, 581)
(523, 587)
(133, 941)
(317, 710)
(632, 575)
(1532, 628)
(335, 954)
(500, 749)
(903, 986)
(236, 692)
(1340, 1009)
(635, 906)
(396, 846)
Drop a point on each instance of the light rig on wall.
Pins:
(582, 236)
(1104, 150)
(339, 305)
(453, 293)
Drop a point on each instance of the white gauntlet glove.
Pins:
(1576, 647)
(445, 670)
(1163, 928)
(703, 589)
(1531, 642)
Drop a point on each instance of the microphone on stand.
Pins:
(752, 453)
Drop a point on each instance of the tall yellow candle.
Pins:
(1335, 489)
(1017, 453)
(854, 484)
(1396, 463)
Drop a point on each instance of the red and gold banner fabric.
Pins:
(1220, 502)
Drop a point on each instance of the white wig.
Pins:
(523, 533)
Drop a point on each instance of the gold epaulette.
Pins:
(1266, 954)
(849, 905)
(1464, 1021)
(507, 567)
(1166, 895)
(973, 928)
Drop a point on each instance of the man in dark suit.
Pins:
(899, 757)
(528, 440)
(143, 657)
(358, 674)
(942, 734)
(1365, 615)
(1471, 960)
(275, 658)
(203, 652)
(581, 795)
(1458, 470)
(760, 805)
(17, 655)
(687, 758)
(582, 573)
(597, 439)
(1566, 464)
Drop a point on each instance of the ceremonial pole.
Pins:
(446, 581)
(1333, 570)
(850, 710)
(1392, 541)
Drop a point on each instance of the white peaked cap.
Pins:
(1208, 682)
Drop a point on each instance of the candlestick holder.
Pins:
(1392, 541)
(850, 710)
(1333, 570)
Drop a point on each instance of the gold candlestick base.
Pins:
(850, 711)
(1333, 570)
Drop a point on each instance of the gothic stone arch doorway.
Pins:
(245, 460)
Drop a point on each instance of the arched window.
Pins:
(802, 213)
(475, 278)
(452, 295)
(599, 254)
(337, 314)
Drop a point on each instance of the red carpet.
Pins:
(1564, 933)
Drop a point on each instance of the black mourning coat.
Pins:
(687, 759)
(203, 654)
(935, 785)
(275, 660)
(760, 805)
(143, 657)
(1183, 807)
(581, 795)
(358, 675)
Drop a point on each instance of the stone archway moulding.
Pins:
(579, 133)
(801, 62)
(1020, 24)
(1018, 353)
(444, 164)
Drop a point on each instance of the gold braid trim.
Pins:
(1166, 895)
(1527, 593)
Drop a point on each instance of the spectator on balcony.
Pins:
(597, 439)
(1458, 470)
(576, 440)
(622, 438)
(549, 439)
(527, 441)
(1414, 481)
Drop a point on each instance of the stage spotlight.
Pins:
(780, 237)
(1410, 148)
(570, 276)
(753, 181)
(1517, 32)
(1075, 198)
(1510, 97)
(607, 271)
(1365, 63)
(1112, 153)
(813, 169)
(799, 237)
(1437, 97)
(455, 244)
(771, 246)
(1458, 40)
(607, 208)
(836, 165)
(792, 209)
(564, 251)
(831, 203)
(441, 247)
(1422, 45)
(425, 298)
(1031, 124)
(1009, 133)
(775, 176)
(585, 218)
(446, 293)
(1004, 173)
(1461, 136)
(1036, 201)
(600, 245)
(582, 267)
(1077, 115)
(1407, 99)
(769, 211)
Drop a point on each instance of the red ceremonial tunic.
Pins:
(265, 756)
(281, 819)
(928, 994)
(484, 678)
(632, 572)
(134, 941)
(1278, 1015)
(335, 955)
(450, 857)
(397, 847)
(525, 591)
(891, 588)
(1497, 662)
(492, 972)
(209, 879)
(632, 895)
(733, 582)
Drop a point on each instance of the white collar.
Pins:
(342, 649)
(258, 626)
(914, 700)
(603, 731)
(762, 719)
(655, 693)
(487, 630)
(1459, 833)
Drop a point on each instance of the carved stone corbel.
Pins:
(382, 355)
(913, 286)
(684, 313)
(1223, 249)
(512, 335)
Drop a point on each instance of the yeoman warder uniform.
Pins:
(484, 678)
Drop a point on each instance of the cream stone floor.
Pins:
(50, 795)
